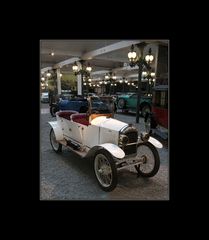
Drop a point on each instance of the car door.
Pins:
(71, 130)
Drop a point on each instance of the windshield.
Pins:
(99, 106)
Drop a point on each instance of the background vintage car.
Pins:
(160, 105)
(157, 121)
(81, 104)
(76, 104)
(129, 102)
(45, 97)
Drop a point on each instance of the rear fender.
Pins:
(57, 130)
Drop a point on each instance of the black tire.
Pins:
(104, 156)
(57, 148)
(121, 103)
(156, 161)
(53, 110)
(145, 109)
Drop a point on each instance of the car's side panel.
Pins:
(71, 130)
(90, 135)
(108, 136)
(85, 135)
(57, 130)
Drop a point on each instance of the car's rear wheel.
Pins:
(105, 170)
(56, 146)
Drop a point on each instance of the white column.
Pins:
(58, 81)
(79, 80)
(79, 85)
(156, 61)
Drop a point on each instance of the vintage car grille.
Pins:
(132, 135)
(129, 149)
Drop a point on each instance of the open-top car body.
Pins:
(112, 144)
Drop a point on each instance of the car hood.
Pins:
(109, 123)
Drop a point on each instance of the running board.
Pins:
(78, 152)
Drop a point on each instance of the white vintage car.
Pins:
(112, 144)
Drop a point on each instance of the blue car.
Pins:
(80, 105)
(77, 104)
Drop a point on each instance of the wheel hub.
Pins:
(105, 170)
(144, 159)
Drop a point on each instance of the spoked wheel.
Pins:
(151, 160)
(105, 170)
(121, 103)
(57, 147)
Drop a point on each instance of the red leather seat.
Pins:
(80, 118)
(66, 114)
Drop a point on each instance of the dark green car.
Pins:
(128, 102)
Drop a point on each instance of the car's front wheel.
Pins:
(56, 146)
(150, 157)
(105, 170)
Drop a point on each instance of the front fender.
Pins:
(114, 150)
(57, 130)
(111, 148)
(155, 142)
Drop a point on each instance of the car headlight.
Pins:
(123, 139)
(144, 136)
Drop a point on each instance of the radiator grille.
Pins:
(132, 135)
(130, 149)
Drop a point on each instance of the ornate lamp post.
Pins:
(111, 77)
(84, 72)
(150, 78)
(141, 62)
